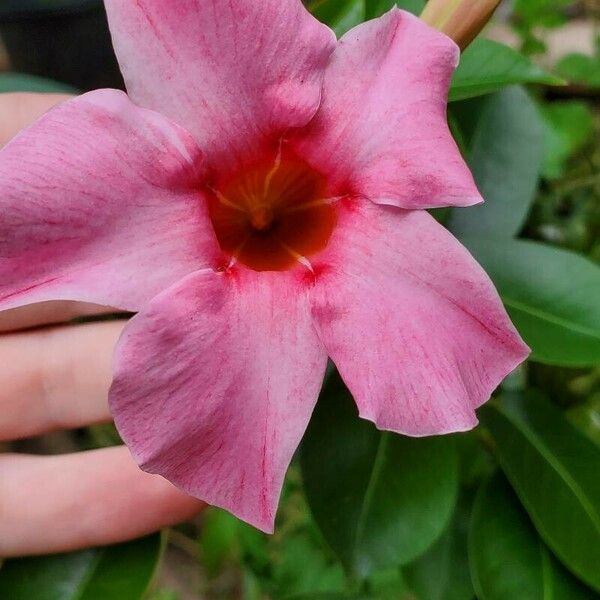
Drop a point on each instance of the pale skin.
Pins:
(55, 376)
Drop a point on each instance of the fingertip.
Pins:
(92, 498)
(20, 109)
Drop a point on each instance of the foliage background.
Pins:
(508, 511)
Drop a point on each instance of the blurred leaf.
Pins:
(376, 8)
(581, 68)
(380, 499)
(488, 66)
(121, 572)
(505, 158)
(18, 82)
(340, 15)
(475, 463)
(551, 296)
(335, 596)
(568, 126)
(164, 595)
(586, 417)
(251, 586)
(389, 584)
(541, 13)
(443, 572)
(218, 542)
(554, 470)
(255, 548)
(508, 560)
(302, 568)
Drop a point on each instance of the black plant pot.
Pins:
(64, 40)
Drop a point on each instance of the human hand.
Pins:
(54, 378)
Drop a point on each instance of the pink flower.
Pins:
(259, 202)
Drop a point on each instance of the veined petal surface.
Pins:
(99, 202)
(234, 73)
(382, 131)
(412, 322)
(215, 382)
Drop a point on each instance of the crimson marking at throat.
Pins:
(270, 216)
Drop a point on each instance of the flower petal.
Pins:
(232, 73)
(99, 202)
(215, 383)
(412, 322)
(382, 130)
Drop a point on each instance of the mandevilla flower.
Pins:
(258, 200)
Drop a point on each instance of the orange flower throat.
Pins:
(271, 217)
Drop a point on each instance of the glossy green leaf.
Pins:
(551, 295)
(554, 470)
(340, 15)
(488, 66)
(379, 499)
(19, 82)
(375, 8)
(442, 573)
(121, 572)
(508, 559)
(505, 157)
(586, 417)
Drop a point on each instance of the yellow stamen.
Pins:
(225, 201)
(273, 171)
(261, 217)
(313, 203)
(299, 257)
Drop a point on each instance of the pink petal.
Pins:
(412, 322)
(233, 72)
(99, 203)
(215, 383)
(382, 131)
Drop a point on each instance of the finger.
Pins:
(55, 378)
(48, 313)
(61, 503)
(18, 110)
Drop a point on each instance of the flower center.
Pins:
(271, 216)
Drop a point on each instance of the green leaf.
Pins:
(554, 470)
(302, 568)
(340, 15)
(488, 66)
(121, 572)
(551, 295)
(379, 499)
(388, 584)
(586, 417)
(508, 560)
(219, 541)
(443, 572)
(326, 596)
(18, 82)
(376, 8)
(568, 126)
(505, 158)
(581, 68)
